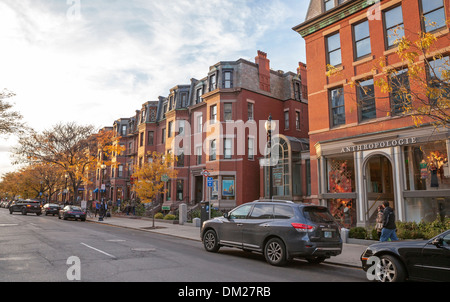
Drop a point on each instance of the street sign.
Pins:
(165, 177)
(205, 173)
(210, 182)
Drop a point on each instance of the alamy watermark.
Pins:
(74, 271)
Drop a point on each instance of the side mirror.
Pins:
(225, 215)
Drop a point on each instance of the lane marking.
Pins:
(100, 251)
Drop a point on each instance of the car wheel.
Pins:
(210, 241)
(390, 269)
(275, 252)
(24, 212)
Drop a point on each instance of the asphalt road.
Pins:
(47, 249)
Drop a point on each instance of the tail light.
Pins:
(301, 227)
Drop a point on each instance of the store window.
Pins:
(344, 211)
(228, 188)
(427, 209)
(427, 166)
(341, 174)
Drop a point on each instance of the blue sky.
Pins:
(94, 61)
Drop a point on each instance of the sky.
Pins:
(95, 61)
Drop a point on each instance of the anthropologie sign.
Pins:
(381, 144)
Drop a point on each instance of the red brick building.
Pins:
(360, 155)
(217, 124)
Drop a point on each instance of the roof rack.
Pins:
(275, 200)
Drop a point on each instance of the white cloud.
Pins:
(119, 54)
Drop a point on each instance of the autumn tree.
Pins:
(9, 185)
(71, 147)
(149, 177)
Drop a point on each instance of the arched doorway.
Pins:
(379, 185)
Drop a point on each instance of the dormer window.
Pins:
(212, 82)
(198, 95)
(329, 4)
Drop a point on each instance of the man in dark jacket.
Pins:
(389, 227)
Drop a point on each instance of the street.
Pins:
(47, 249)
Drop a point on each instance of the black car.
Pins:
(280, 230)
(73, 212)
(397, 261)
(51, 208)
(26, 206)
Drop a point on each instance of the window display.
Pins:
(427, 166)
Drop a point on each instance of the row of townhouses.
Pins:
(217, 124)
(336, 145)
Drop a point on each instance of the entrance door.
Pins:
(379, 185)
(198, 188)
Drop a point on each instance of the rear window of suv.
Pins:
(318, 214)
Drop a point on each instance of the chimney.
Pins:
(302, 73)
(264, 71)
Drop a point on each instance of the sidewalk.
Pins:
(350, 255)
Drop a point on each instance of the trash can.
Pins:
(204, 211)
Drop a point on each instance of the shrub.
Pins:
(358, 233)
(159, 216)
(169, 217)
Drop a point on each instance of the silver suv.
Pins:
(280, 230)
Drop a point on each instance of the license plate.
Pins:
(77, 215)
(327, 234)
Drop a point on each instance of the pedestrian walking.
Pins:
(389, 227)
(97, 207)
(379, 221)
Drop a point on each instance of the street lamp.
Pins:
(100, 217)
(270, 126)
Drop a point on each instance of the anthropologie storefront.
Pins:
(407, 167)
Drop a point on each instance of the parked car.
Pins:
(281, 230)
(73, 212)
(25, 206)
(51, 208)
(397, 261)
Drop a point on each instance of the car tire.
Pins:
(275, 252)
(210, 241)
(390, 269)
(24, 212)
